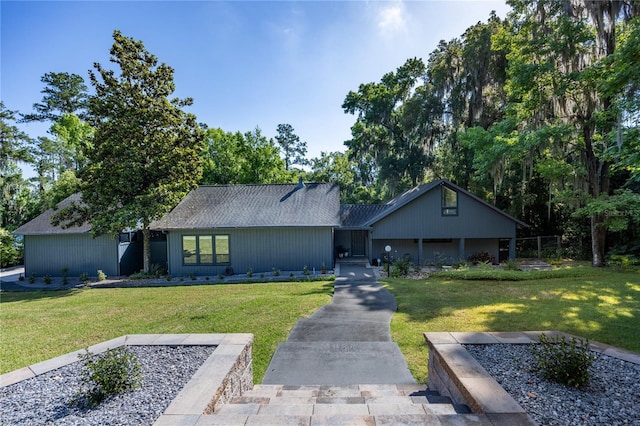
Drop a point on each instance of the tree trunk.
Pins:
(146, 248)
(598, 235)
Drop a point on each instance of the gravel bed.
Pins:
(44, 400)
(611, 397)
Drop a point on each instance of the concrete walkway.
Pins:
(347, 342)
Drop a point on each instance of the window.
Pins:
(222, 249)
(201, 250)
(449, 202)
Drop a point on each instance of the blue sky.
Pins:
(245, 64)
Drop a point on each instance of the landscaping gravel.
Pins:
(45, 399)
(611, 397)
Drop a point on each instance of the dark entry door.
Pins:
(358, 243)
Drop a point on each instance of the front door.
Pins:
(358, 243)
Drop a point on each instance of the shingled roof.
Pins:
(357, 215)
(254, 206)
(41, 225)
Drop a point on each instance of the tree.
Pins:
(146, 152)
(64, 93)
(293, 149)
(242, 158)
(17, 203)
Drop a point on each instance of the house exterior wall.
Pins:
(422, 218)
(49, 254)
(261, 249)
(432, 252)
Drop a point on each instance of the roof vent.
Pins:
(300, 183)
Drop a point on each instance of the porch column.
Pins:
(461, 248)
(370, 246)
(419, 251)
(512, 248)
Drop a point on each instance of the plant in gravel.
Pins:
(275, 271)
(101, 275)
(305, 270)
(65, 280)
(511, 265)
(168, 277)
(84, 278)
(32, 278)
(563, 361)
(47, 279)
(192, 276)
(250, 272)
(116, 371)
(401, 267)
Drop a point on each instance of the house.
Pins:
(236, 228)
(438, 220)
(49, 249)
(252, 227)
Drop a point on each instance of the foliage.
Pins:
(305, 270)
(482, 257)
(401, 267)
(84, 278)
(250, 272)
(64, 93)
(47, 279)
(563, 361)
(511, 265)
(275, 272)
(116, 371)
(496, 274)
(241, 158)
(146, 150)
(11, 250)
(293, 149)
(101, 275)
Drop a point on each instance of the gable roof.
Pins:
(41, 225)
(253, 206)
(410, 195)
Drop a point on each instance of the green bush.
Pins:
(511, 265)
(563, 361)
(116, 371)
(47, 279)
(101, 275)
(84, 278)
(305, 271)
(250, 272)
(276, 272)
(401, 268)
(32, 278)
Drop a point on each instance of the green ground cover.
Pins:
(598, 304)
(39, 325)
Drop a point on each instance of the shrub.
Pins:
(228, 271)
(563, 361)
(116, 371)
(511, 265)
(192, 276)
(101, 275)
(482, 257)
(47, 279)
(401, 267)
(169, 277)
(220, 277)
(84, 278)
(250, 272)
(305, 270)
(276, 272)
(157, 270)
(32, 278)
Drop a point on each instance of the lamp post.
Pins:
(387, 248)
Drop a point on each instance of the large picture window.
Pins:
(449, 202)
(205, 249)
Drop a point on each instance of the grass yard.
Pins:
(598, 304)
(38, 325)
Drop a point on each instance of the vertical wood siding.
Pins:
(49, 254)
(422, 218)
(261, 249)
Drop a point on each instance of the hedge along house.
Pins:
(434, 222)
(49, 249)
(216, 229)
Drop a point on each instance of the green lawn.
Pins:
(598, 304)
(38, 325)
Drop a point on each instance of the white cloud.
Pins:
(391, 19)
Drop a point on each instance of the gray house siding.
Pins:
(422, 218)
(80, 253)
(261, 249)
